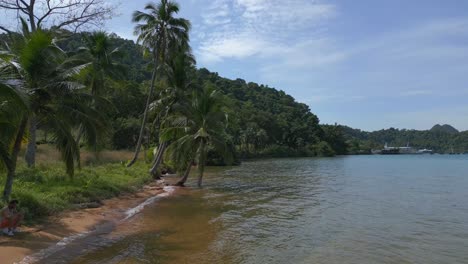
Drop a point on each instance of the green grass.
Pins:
(47, 190)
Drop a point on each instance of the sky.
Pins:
(364, 63)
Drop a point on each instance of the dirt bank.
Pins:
(55, 228)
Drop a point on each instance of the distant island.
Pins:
(443, 139)
(444, 128)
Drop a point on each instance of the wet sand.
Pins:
(35, 238)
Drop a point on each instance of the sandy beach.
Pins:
(32, 239)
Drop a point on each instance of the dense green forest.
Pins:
(264, 122)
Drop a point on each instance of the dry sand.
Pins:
(55, 228)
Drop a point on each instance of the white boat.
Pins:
(407, 150)
(425, 151)
(402, 150)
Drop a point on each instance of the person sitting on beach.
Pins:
(10, 218)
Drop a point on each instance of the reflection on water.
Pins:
(358, 209)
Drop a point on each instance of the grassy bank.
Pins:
(46, 189)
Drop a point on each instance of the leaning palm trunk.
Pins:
(184, 178)
(145, 117)
(158, 159)
(30, 155)
(11, 164)
(201, 163)
(78, 139)
(160, 154)
(81, 131)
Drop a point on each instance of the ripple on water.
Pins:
(359, 209)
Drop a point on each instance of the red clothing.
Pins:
(5, 223)
(9, 218)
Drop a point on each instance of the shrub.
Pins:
(323, 149)
(47, 190)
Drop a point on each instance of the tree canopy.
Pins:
(264, 121)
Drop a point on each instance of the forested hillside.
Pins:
(263, 121)
(444, 128)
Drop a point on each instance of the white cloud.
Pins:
(253, 6)
(299, 59)
(242, 28)
(281, 17)
(217, 13)
(230, 47)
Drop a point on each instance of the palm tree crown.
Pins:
(159, 31)
(55, 98)
(101, 59)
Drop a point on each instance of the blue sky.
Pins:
(363, 63)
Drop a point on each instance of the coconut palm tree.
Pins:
(177, 89)
(100, 58)
(40, 65)
(160, 33)
(13, 119)
(200, 125)
(43, 71)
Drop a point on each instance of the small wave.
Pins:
(44, 253)
(168, 190)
